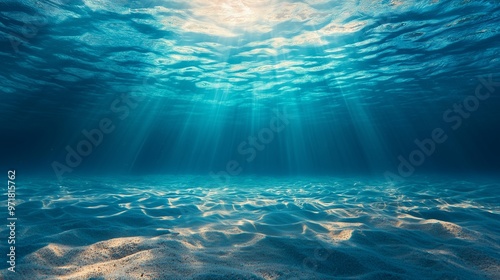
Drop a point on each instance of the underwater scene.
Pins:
(250, 139)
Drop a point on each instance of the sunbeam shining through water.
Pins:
(250, 139)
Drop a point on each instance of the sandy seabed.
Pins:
(257, 228)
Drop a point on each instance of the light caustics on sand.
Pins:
(306, 227)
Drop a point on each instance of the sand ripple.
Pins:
(257, 228)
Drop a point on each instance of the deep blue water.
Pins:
(360, 82)
(326, 105)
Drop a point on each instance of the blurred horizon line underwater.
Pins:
(250, 139)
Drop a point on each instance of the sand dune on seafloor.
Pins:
(352, 254)
(169, 257)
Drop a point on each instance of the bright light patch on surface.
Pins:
(232, 12)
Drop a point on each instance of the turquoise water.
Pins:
(252, 139)
(186, 86)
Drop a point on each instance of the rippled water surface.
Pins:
(186, 82)
(247, 53)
